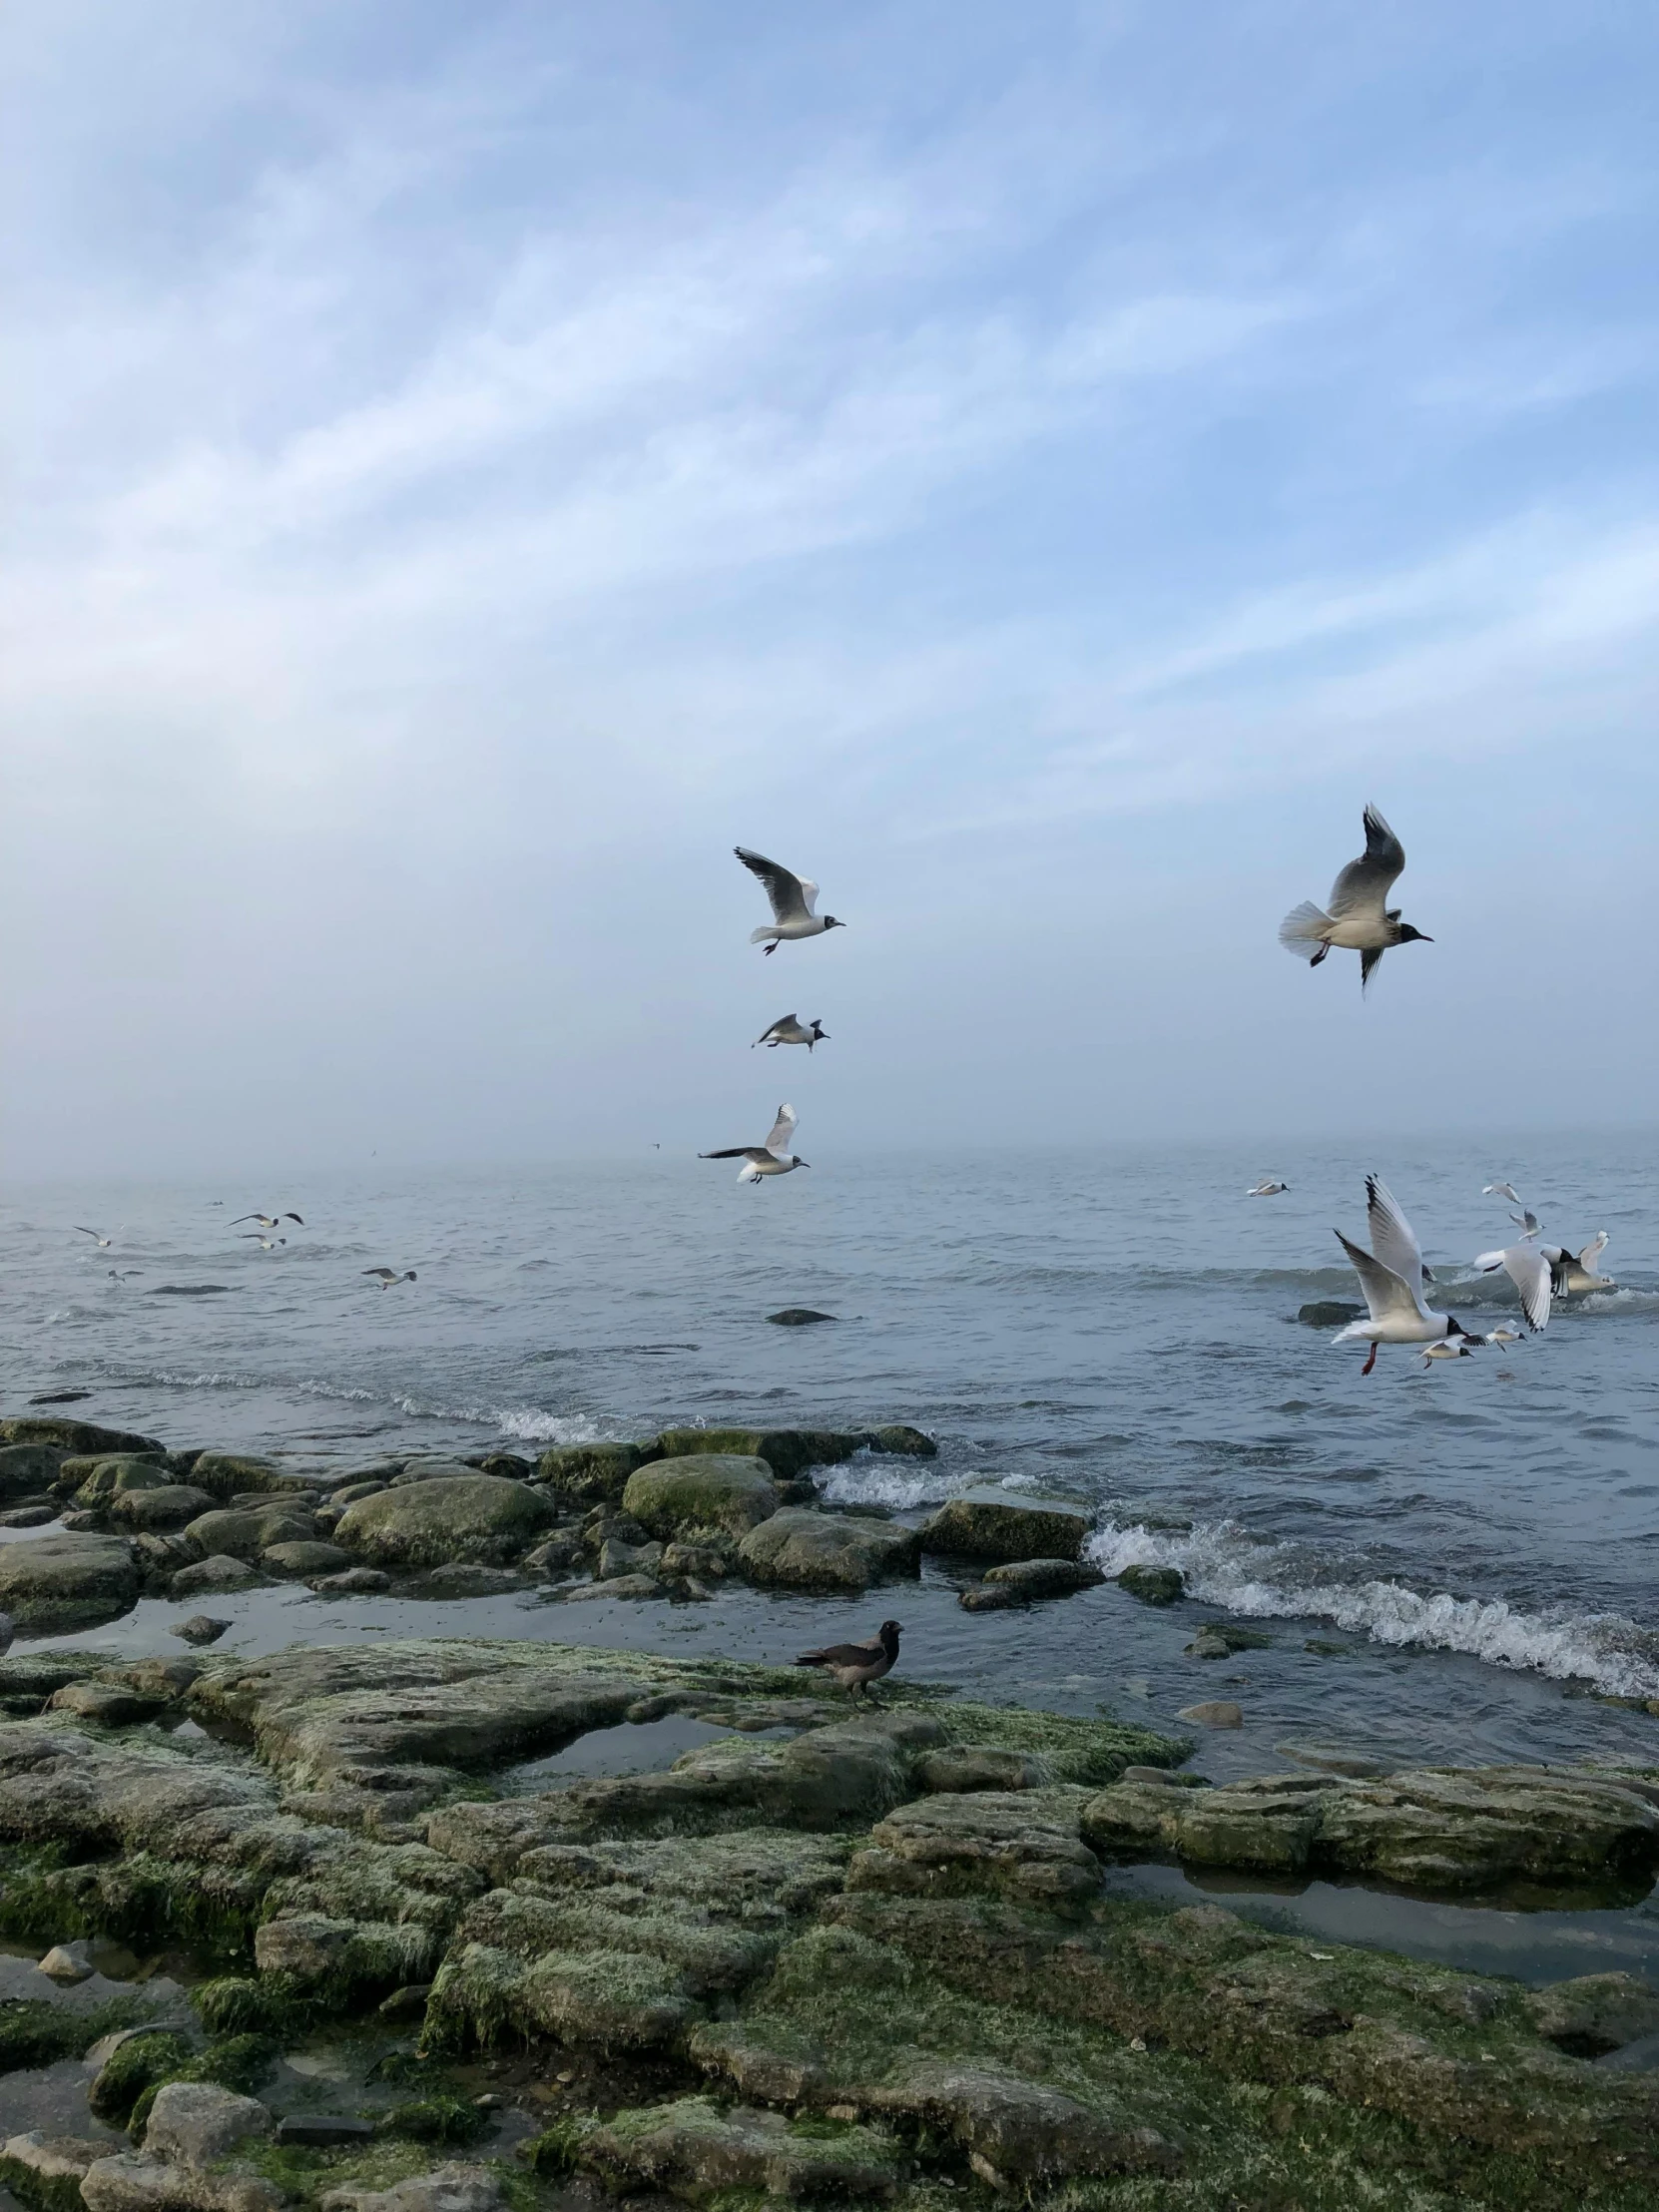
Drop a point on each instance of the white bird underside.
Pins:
(768, 1159)
(1529, 1271)
(1358, 918)
(1391, 1277)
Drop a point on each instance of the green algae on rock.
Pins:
(69, 1581)
(802, 1550)
(987, 1528)
(482, 1518)
(705, 1490)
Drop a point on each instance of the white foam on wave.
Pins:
(868, 1481)
(1226, 1566)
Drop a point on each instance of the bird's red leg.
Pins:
(1371, 1363)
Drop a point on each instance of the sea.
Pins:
(1452, 1563)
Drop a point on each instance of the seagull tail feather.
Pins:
(760, 937)
(1303, 929)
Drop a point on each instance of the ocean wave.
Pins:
(529, 1424)
(866, 1481)
(1226, 1566)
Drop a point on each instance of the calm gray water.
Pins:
(1118, 1326)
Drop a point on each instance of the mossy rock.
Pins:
(788, 1453)
(482, 1518)
(702, 2151)
(704, 1490)
(1154, 1585)
(597, 1472)
(126, 1471)
(800, 1550)
(229, 1475)
(70, 1581)
(79, 1436)
(26, 1469)
(170, 1506)
(987, 1528)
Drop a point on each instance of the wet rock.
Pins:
(696, 2149)
(464, 1578)
(407, 2003)
(320, 2128)
(1019, 1581)
(708, 1490)
(197, 2123)
(354, 1583)
(617, 1558)
(1449, 1828)
(27, 1467)
(1268, 1825)
(431, 1470)
(83, 1437)
(28, 1516)
(510, 1463)
(1018, 2132)
(982, 1767)
(478, 1517)
(800, 1550)
(1330, 1313)
(1154, 1585)
(1219, 1640)
(242, 1532)
(170, 1506)
(709, 1562)
(621, 1585)
(1596, 2013)
(67, 1962)
(452, 2189)
(52, 2167)
(559, 1556)
(229, 1475)
(303, 1559)
(350, 1493)
(68, 1582)
(983, 1528)
(216, 1574)
(797, 1316)
(201, 1628)
(109, 1478)
(1216, 1712)
(108, 1704)
(140, 2183)
(80, 1523)
(1023, 1845)
(596, 1472)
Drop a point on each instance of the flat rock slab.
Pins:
(482, 1518)
(699, 2149)
(69, 1581)
(985, 1528)
(1024, 1846)
(800, 1550)
(1021, 1581)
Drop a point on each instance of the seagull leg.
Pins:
(772, 949)
(1318, 955)
(1371, 1363)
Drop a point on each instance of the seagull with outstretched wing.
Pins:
(761, 1160)
(794, 902)
(1359, 918)
(1391, 1274)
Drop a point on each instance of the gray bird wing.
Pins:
(782, 1129)
(1362, 886)
(787, 893)
(1593, 1251)
(1528, 1270)
(1393, 1238)
(1386, 1291)
(735, 1152)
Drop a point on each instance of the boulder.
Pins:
(55, 2165)
(465, 1579)
(1221, 1640)
(963, 1766)
(140, 2183)
(172, 1505)
(1330, 1313)
(596, 1472)
(126, 1471)
(302, 1560)
(27, 1468)
(719, 1490)
(242, 1532)
(431, 1470)
(66, 1963)
(69, 1581)
(1020, 1844)
(1449, 1827)
(619, 1585)
(983, 1528)
(478, 1517)
(800, 1550)
(616, 1557)
(80, 1436)
(1594, 2012)
(1267, 1825)
(197, 2123)
(798, 1317)
(201, 1628)
(1019, 1581)
(350, 1493)
(28, 1516)
(218, 1572)
(229, 1475)
(1154, 1585)
(108, 1704)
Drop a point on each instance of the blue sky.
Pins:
(1039, 471)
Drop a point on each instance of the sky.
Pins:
(1038, 471)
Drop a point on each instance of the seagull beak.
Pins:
(799, 1163)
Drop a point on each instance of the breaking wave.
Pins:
(1225, 1566)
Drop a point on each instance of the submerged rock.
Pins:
(707, 1491)
(985, 1528)
(219, 1572)
(802, 1550)
(1154, 1585)
(1019, 1581)
(1221, 1640)
(596, 1472)
(478, 1517)
(1330, 1313)
(229, 1475)
(797, 1316)
(201, 1628)
(1216, 1712)
(69, 1581)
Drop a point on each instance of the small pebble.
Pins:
(67, 1962)
(201, 1628)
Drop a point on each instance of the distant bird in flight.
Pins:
(1358, 920)
(1267, 1188)
(1391, 1274)
(102, 1242)
(266, 1243)
(789, 1031)
(266, 1221)
(1455, 1348)
(760, 1160)
(1503, 1189)
(792, 900)
(856, 1666)
(386, 1277)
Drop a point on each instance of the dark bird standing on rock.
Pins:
(856, 1666)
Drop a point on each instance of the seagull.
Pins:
(856, 1666)
(1574, 1273)
(1502, 1335)
(1391, 1274)
(1455, 1348)
(266, 1243)
(765, 1159)
(1503, 1189)
(389, 1275)
(103, 1243)
(1527, 1268)
(1357, 920)
(789, 1031)
(1267, 1188)
(268, 1221)
(792, 900)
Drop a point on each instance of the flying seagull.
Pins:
(266, 1221)
(386, 1277)
(1358, 920)
(792, 900)
(1455, 1348)
(1391, 1274)
(102, 1242)
(1503, 1335)
(266, 1243)
(1574, 1273)
(1503, 1189)
(1529, 1272)
(789, 1031)
(856, 1666)
(765, 1159)
(1267, 1188)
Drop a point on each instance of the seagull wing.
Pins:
(1393, 1238)
(787, 893)
(782, 1129)
(1386, 1291)
(86, 1232)
(1593, 1251)
(293, 1217)
(1528, 1270)
(1526, 1221)
(1362, 886)
(734, 1152)
(784, 1022)
(234, 1217)
(809, 894)
(1503, 1189)
(386, 1275)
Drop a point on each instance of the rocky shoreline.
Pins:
(825, 1952)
